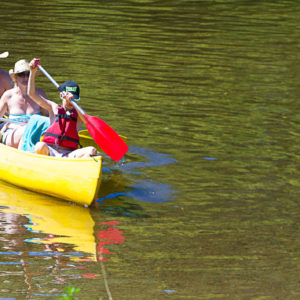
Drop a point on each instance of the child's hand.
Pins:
(67, 96)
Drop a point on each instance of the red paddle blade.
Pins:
(106, 138)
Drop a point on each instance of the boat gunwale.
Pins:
(18, 155)
(41, 156)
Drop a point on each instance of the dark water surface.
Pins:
(206, 203)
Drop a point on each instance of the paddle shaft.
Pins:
(11, 121)
(49, 77)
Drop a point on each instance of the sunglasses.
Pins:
(23, 74)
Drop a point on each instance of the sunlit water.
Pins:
(205, 204)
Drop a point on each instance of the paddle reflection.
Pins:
(111, 235)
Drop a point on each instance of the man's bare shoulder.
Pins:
(8, 94)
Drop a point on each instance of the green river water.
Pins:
(205, 204)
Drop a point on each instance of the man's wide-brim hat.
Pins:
(20, 66)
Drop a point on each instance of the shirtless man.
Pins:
(18, 104)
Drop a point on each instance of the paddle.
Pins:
(105, 137)
(4, 54)
(11, 121)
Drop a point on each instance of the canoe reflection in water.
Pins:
(60, 221)
(49, 237)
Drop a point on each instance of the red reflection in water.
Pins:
(91, 275)
(110, 223)
(111, 235)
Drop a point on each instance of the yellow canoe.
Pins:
(77, 180)
(87, 140)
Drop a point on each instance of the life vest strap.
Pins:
(65, 116)
(67, 138)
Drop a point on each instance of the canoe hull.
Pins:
(77, 180)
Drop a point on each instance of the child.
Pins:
(61, 138)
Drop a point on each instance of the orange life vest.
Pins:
(63, 132)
